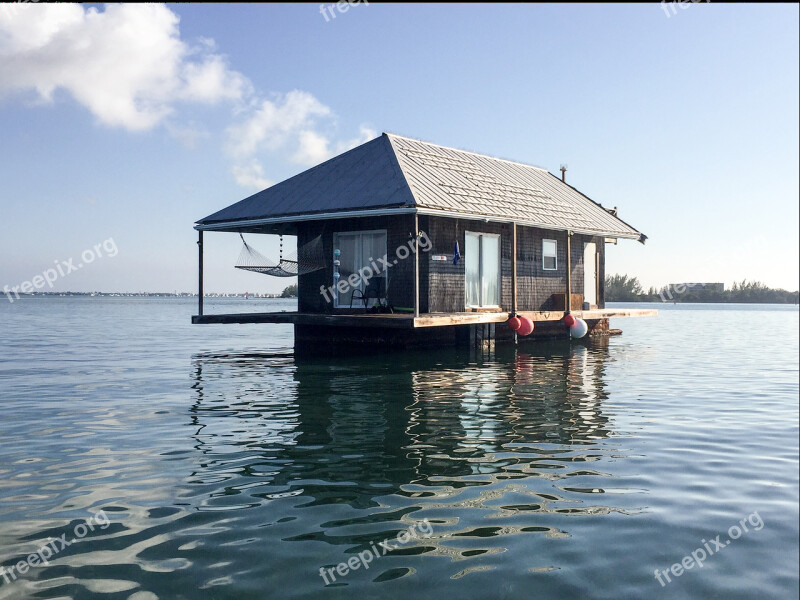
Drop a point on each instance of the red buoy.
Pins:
(569, 320)
(526, 326)
(514, 323)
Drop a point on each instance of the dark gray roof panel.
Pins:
(365, 177)
(393, 171)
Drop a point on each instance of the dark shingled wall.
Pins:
(400, 285)
(441, 282)
(535, 286)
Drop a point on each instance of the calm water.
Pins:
(223, 468)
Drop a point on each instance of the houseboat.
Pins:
(405, 243)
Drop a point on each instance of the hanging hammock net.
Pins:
(309, 257)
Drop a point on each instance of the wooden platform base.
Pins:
(332, 334)
(404, 321)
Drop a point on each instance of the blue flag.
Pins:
(456, 253)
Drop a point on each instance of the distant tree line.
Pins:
(621, 288)
(290, 292)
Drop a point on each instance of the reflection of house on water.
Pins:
(553, 396)
(407, 437)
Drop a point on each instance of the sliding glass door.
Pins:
(361, 252)
(482, 269)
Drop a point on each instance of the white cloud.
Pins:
(314, 148)
(274, 123)
(289, 124)
(188, 135)
(251, 175)
(365, 134)
(211, 81)
(127, 64)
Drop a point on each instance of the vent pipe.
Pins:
(564, 173)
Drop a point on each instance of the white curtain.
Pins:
(472, 268)
(482, 269)
(359, 250)
(490, 270)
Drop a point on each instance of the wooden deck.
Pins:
(404, 321)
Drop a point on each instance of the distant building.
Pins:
(668, 292)
(710, 287)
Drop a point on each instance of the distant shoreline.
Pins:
(661, 303)
(657, 300)
(279, 297)
(622, 288)
(148, 295)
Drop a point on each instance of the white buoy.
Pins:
(579, 328)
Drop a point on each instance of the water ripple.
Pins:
(229, 469)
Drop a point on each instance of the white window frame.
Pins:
(555, 256)
(480, 270)
(359, 233)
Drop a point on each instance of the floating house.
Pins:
(405, 243)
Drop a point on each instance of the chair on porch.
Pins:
(376, 288)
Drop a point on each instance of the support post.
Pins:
(416, 265)
(568, 302)
(597, 272)
(514, 267)
(200, 273)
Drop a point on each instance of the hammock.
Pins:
(309, 257)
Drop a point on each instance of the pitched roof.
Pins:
(395, 173)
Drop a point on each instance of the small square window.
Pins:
(549, 260)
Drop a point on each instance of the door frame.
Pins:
(480, 234)
(594, 269)
(336, 236)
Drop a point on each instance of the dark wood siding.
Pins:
(535, 286)
(400, 284)
(442, 282)
(445, 281)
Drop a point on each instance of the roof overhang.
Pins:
(342, 214)
(245, 224)
(525, 223)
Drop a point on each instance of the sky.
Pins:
(122, 125)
